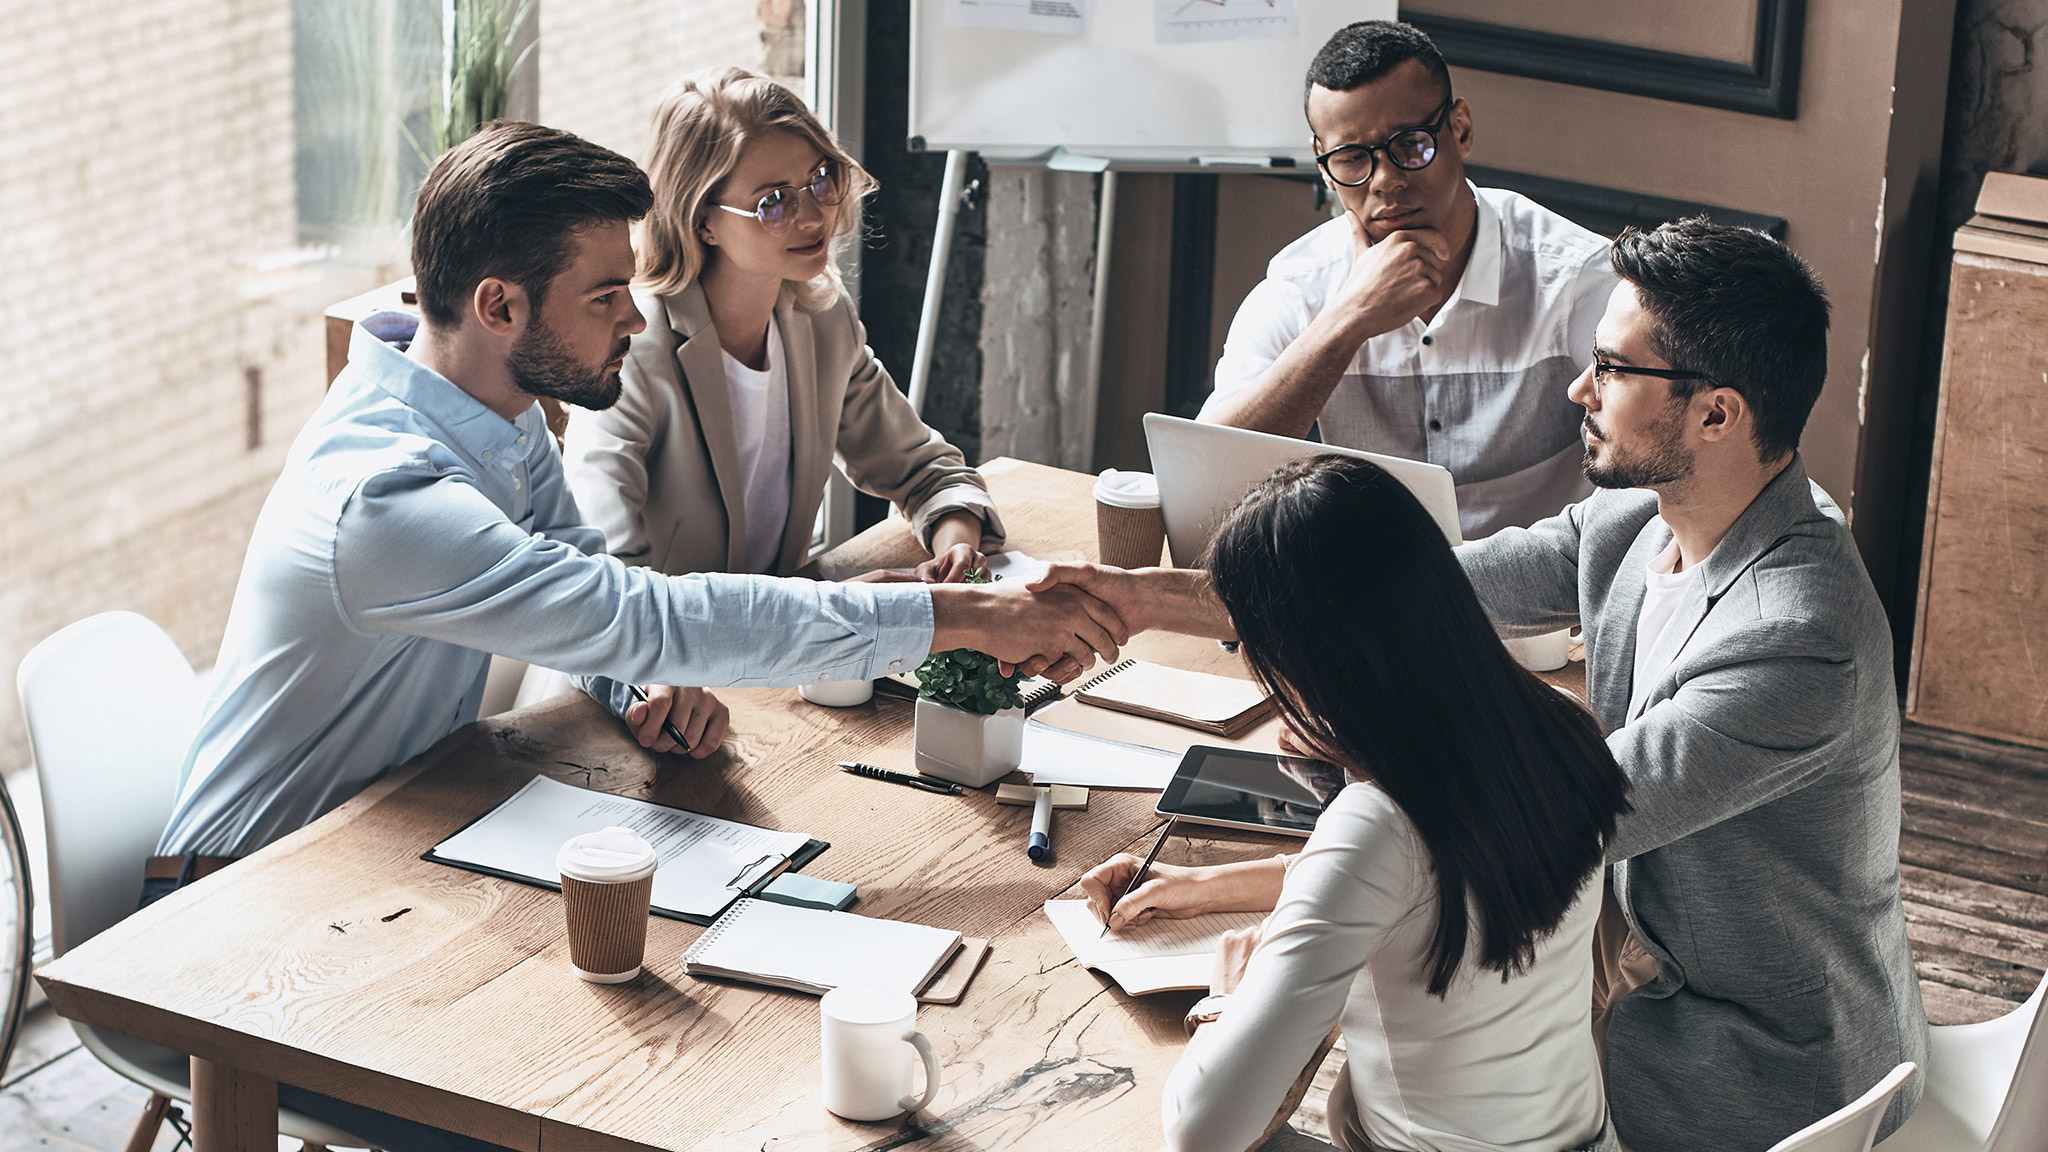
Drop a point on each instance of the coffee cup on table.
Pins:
(607, 881)
(866, 1036)
(1129, 528)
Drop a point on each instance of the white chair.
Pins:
(1987, 1087)
(112, 707)
(1851, 1127)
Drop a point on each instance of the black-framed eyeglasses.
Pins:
(1410, 149)
(777, 208)
(1602, 370)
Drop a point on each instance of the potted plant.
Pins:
(970, 717)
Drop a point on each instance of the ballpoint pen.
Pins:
(668, 728)
(1138, 877)
(904, 778)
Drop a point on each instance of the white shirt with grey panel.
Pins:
(1480, 388)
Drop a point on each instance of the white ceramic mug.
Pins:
(837, 693)
(867, 1034)
(1545, 653)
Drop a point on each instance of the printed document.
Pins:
(706, 863)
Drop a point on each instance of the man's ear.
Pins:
(1461, 127)
(1723, 413)
(500, 306)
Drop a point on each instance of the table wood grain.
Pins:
(337, 960)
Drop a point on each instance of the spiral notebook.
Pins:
(1220, 705)
(813, 950)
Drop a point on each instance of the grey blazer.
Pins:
(659, 472)
(1761, 864)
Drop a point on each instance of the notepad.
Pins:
(815, 951)
(1156, 956)
(1056, 756)
(706, 862)
(1222, 705)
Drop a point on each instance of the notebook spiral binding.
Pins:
(1096, 681)
(718, 926)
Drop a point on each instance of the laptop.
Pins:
(1205, 469)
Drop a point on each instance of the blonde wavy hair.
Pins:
(701, 127)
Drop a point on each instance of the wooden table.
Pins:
(337, 960)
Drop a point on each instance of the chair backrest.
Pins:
(112, 708)
(1852, 1126)
(2023, 1122)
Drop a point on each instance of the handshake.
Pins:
(1056, 625)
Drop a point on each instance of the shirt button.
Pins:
(895, 665)
(1436, 425)
(824, 676)
(487, 455)
(1428, 340)
(522, 438)
(516, 482)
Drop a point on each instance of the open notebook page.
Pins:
(1156, 956)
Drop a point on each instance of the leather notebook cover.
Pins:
(1221, 705)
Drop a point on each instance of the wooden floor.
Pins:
(1975, 870)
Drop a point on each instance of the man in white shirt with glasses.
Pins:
(1431, 320)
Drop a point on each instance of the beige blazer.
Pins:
(659, 472)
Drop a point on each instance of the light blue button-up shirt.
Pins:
(412, 533)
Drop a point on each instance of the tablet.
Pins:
(1260, 791)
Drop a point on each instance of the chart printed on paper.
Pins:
(1195, 21)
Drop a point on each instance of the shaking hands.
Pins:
(1028, 627)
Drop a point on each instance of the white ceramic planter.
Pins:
(967, 748)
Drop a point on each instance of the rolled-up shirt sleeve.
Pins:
(424, 553)
(1274, 314)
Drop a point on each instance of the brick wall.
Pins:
(603, 63)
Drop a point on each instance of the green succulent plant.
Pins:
(968, 680)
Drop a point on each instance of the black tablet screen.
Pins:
(1250, 789)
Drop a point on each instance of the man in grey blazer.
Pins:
(1738, 656)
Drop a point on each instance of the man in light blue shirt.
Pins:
(422, 523)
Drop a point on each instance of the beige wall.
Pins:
(1854, 181)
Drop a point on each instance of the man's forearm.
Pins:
(1290, 394)
(1181, 600)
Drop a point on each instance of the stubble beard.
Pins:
(1663, 461)
(541, 365)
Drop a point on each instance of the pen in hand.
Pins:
(667, 727)
(1138, 877)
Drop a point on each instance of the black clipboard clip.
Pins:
(776, 864)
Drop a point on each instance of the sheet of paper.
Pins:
(705, 862)
(1196, 936)
(1053, 756)
(1062, 17)
(1193, 21)
(1006, 566)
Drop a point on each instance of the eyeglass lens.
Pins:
(777, 210)
(1409, 151)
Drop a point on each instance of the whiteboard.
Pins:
(1115, 92)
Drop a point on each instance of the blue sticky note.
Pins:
(809, 892)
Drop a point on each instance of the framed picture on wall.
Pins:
(1742, 55)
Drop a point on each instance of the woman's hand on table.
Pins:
(1174, 892)
(956, 549)
(701, 717)
(1233, 952)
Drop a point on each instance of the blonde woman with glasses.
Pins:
(754, 372)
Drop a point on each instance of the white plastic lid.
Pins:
(1127, 489)
(607, 856)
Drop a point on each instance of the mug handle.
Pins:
(931, 1074)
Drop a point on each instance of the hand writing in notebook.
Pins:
(1174, 892)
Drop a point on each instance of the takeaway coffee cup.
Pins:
(867, 1035)
(607, 878)
(1129, 528)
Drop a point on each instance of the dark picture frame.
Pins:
(1768, 85)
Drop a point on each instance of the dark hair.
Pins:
(505, 203)
(1738, 306)
(1352, 609)
(1363, 52)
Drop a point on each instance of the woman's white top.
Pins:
(760, 420)
(1493, 1065)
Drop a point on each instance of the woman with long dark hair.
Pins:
(1443, 910)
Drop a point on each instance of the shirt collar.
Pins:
(470, 425)
(1481, 282)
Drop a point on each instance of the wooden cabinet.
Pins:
(1980, 644)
